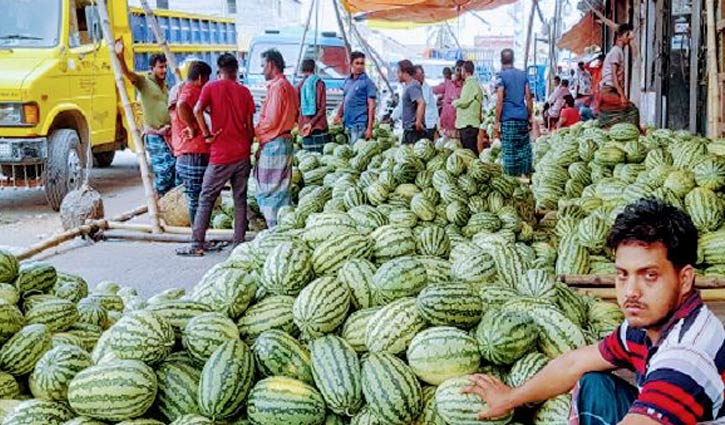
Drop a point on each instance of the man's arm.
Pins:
(321, 99)
(529, 101)
(272, 112)
(558, 377)
(615, 81)
(467, 97)
(132, 76)
(186, 115)
(371, 118)
(500, 93)
(420, 114)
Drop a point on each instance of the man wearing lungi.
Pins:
(514, 107)
(614, 107)
(313, 115)
(278, 117)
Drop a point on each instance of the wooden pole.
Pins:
(713, 85)
(153, 209)
(304, 38)
(85, 229)
(340, 25)
(529, 32)
(161, 39)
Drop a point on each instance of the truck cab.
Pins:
(327, 48)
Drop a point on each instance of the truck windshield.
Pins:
(30, 23)
(331, 60)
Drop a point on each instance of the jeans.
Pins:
(601, 398)
(356, 132)
(215, 178)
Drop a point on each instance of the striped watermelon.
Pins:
(113, 391)
(11, 321)
(496, 296)
(365, 417)
(705, 209)
(9, 388)
(287, 269)
(36, 412)
(205, 332)
(281, 400)
(437, 269)
(9, 293)
(391, 389)
(36, 277)
(554, 411)
(178, 312)
(20, 353)
(88, 334)
(525, 368)
(398, 278)
(226, 380)
(462, 409)
(440, 353)
(475, 267)
(434, 241)
(392, 241)
(277, 353)
(331, 254)
(321, 307)
(178, 383)
(367, 218)
(54, 371)
(111, 302)
(143, 335)
(558, 334)
(592, 233)
(423, 207)
(227, 290)
(573, 258)
(336, 370)
(571, 304)
(357, 274)
(9, 266)
(429, 415)
(404, 218)
(393, 327)
(450, 304)
(355, 328)
(458, 212)
(192, 419)
(604, 317)
(92, 313)
(504, 336)
(270, 313)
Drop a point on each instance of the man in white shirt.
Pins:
(431, 107)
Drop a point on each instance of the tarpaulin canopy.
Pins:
(421, 11)
(585, 33)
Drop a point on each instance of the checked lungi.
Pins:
(316, 141)
(273, 174)
(190, 168)
(612, 111)
(163, 163)
(516, 147)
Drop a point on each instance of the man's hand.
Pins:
(306, 130)
(495, 393)
(497, 130)
(419, 126)
(623, 100)
(368, 134)
(165, 130)
(188, 133)
(210, 138)
(118, 47)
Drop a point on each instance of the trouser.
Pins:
(316, 141)
(601, 399)
(469, 138)
(215, 178)
(163, 163)
(412, 136)
(190, 168)
(356, 132)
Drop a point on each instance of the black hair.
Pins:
(407, 67)
(419, 68)
(580, 64)
(565, 82)
(308, 65)
(557, 78)
(156, 58)
(459, 63)
(447, 72)
(198, 69)
(227, 63)
(356, 55)
(569, 99)
(624, 29)
(650, 221)
(507, 57)
(274, 57)
(469, 67)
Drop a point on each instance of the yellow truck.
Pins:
(58, 100)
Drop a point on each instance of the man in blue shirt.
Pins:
(514, 106)
(357, 111)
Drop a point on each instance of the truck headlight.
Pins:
(19, 114)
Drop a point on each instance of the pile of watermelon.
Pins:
(400, 272)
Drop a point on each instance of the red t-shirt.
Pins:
(571, 116)
(231, 108)
(189, 94)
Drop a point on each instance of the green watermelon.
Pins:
(281, 400)
(336, 370)
(226, 380)
(439, 353)
(391, 389)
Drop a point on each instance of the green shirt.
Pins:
(154, 101)
(468, 106)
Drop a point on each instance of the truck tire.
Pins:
(64, 170)
(103, 159)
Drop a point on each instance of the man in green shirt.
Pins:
(468, 109)
(154, 95)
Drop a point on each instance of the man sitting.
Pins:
(670, 339)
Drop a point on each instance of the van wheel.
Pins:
(103, 159)
(64, 171)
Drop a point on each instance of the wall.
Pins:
(257, 15)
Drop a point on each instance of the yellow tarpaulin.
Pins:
(420, 11)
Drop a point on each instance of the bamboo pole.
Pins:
(153, 209)
(304, 38)
(713, 86)
(161, 40)
(529, 32)
(370, 53)
(53, 241)
(162, 237)
(607, 281)
(340, 25)
(128, 215)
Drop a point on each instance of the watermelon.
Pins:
(113, 391)
(54, 371)
(226, 380)
(271, 313)
(178, 312)
(91, 312)
(31, 412)
(398, 278)
(440, 353)
(357, 274)
(11, 321)
(278, 354)
(462, 409)
(525, 368)
(557, 334)
(35, 277)
(450, 304)
(393, 327)
(504, 336)
(9, 266)
(391, 389)
(205, 332)
(192, 419)
(142, 335)
(178, 383)
(287, 269)
(321, 307)
(554, 411)
(9, 293)
(336, 370)
(20, 353)
(355, 328)
(392, 241)
(331, 254)
(281, 400)
(9, 388)
(227, 290)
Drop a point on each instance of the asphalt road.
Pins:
(25, 219)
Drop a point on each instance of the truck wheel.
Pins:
(64, 170)
(103, 159)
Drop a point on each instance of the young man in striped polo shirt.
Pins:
(669, 338)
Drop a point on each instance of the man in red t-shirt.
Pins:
(231, 108)
(192, 153)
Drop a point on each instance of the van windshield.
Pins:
(30, 23)
(331, 60)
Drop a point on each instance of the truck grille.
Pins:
(26, 176)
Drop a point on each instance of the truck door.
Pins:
(91, 77)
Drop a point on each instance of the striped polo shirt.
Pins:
(680, 378)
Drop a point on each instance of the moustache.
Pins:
(633, 304)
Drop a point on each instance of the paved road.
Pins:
(25, 218)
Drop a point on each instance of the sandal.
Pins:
(215, 246)
(190, 251)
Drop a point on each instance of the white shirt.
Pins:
(431, 106)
